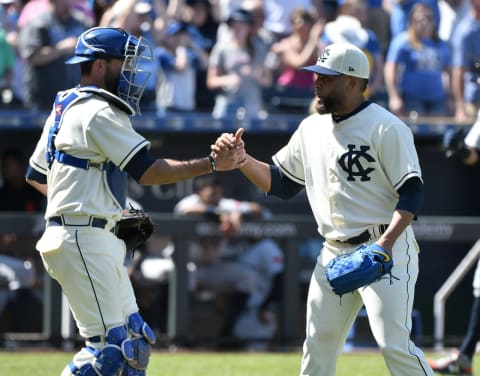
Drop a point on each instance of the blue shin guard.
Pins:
(142, 339)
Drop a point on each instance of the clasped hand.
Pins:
(229, 151)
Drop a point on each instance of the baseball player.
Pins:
(87, 147)
(360, 169)
(460, 362)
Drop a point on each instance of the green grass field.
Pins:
(200, 364)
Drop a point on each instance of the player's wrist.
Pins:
(213, 163)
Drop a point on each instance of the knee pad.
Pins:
(142, 339)
(138, 327)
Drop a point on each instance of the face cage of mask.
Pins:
(134, 77)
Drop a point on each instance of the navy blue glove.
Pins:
(347, 273)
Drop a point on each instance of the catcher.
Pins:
(87, 147)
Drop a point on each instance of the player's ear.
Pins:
(99, 64)
(352, 82)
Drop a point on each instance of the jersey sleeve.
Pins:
(289, 159)
(115, 137)
(398, 155)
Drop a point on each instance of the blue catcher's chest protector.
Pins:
(116, 179)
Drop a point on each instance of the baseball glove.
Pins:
(134, 228)
(347, 273)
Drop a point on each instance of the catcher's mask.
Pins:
(116, 43)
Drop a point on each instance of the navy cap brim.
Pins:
(78, 59)
(321, 70)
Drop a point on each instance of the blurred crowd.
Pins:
(241, 57)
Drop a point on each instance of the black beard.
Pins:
(111, 82)
(324, 107)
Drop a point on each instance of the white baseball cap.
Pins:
(341, 58)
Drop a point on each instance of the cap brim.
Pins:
(321, 70)
(78, 59)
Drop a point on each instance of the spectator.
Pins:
(257, 10)
(451, 12)
(45, 43)
(288, 54)
(417, 63)
(7, 65)
(278, 12)
(117, 13)
(466, 64)
(12, 95)
(179, 58)
(253, 277)
(203, 26)
(349, 26)
(378, 20)
(236, 69)
(400, 11)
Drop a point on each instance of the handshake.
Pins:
(228, 152)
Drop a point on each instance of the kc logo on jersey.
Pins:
(351, 162)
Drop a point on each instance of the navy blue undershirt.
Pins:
(139, 163)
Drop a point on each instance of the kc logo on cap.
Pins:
(341, 59)
(323, 55)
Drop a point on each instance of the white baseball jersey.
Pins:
(88, 262)
(95, 130)
(351, 169)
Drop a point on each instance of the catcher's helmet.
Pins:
(101, 43)
(116, 43)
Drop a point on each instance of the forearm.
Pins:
(457, 87)
(258, 173)
(390, 80)
(46, 55)
(400, 221)
(42, 188)
(167, 171)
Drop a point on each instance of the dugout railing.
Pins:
(289, 231)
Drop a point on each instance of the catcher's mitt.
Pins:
(346, 273)
(134, 228)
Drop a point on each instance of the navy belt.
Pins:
(93, 222)
(363, 237)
